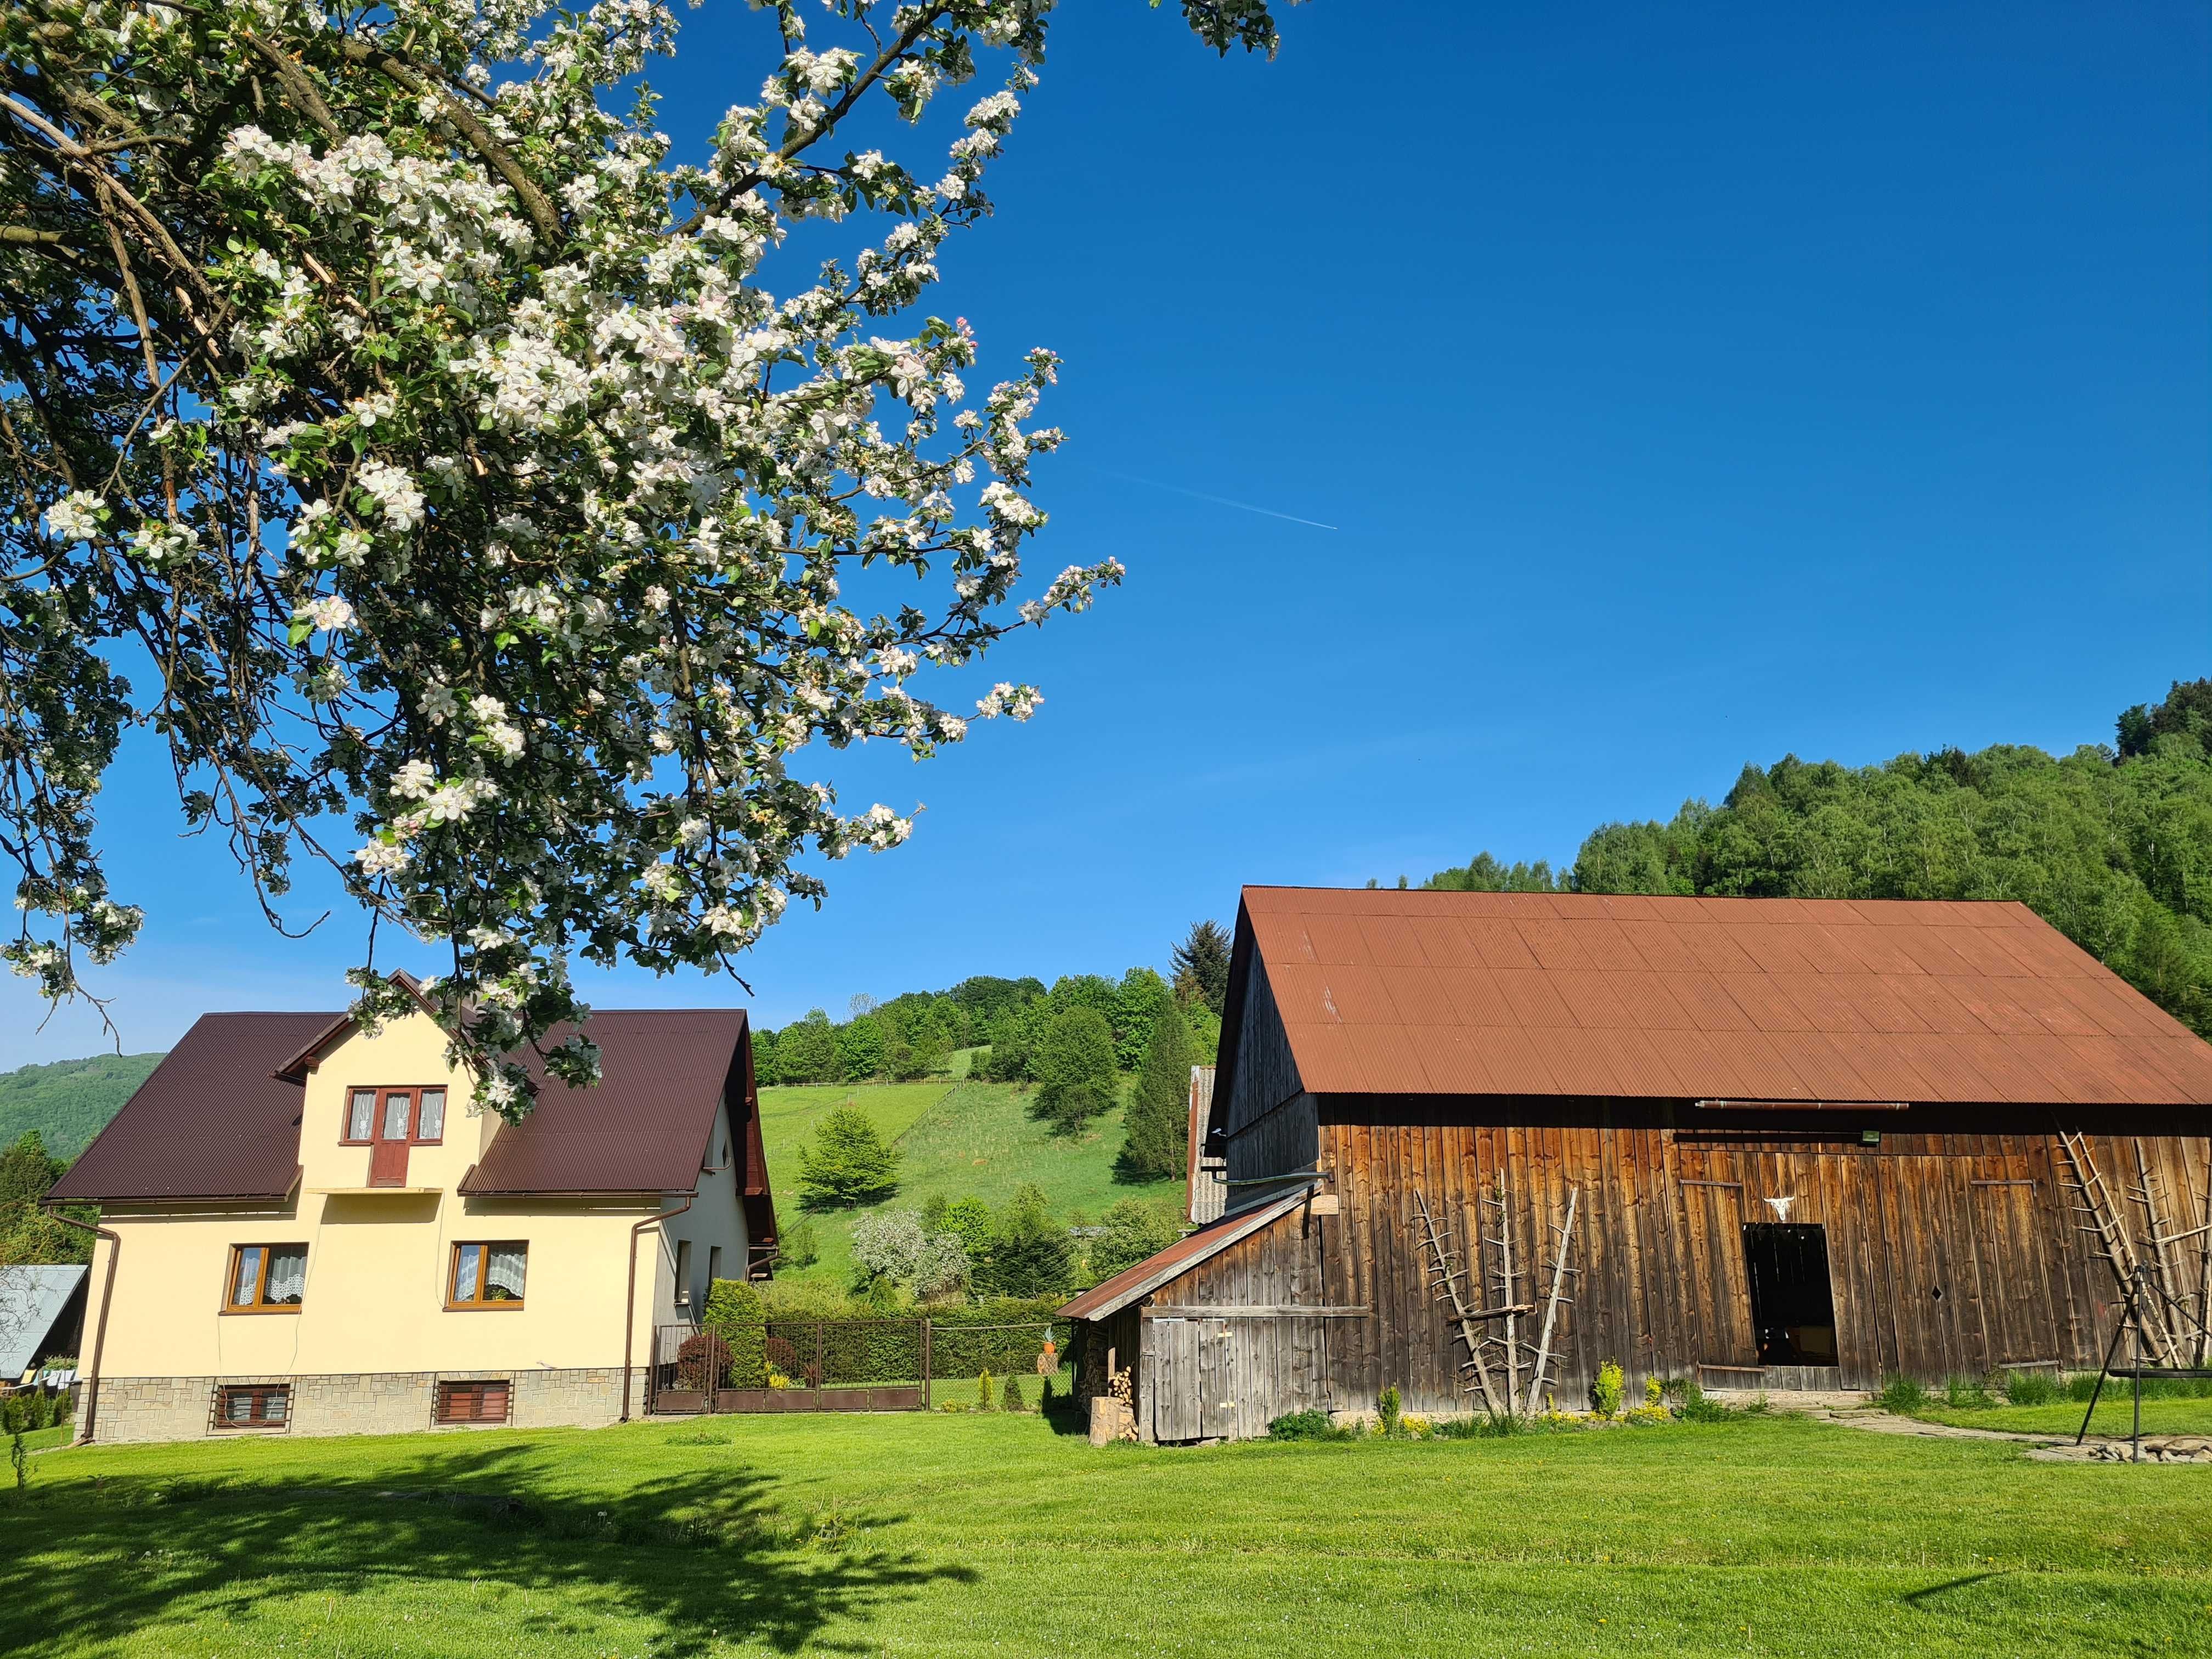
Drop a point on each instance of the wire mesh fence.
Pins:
(842, 1364)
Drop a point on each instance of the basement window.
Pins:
(1792, 1312)
(252, 1405)
(477, 1402)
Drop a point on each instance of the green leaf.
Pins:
(301, 627)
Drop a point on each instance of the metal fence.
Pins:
(840, 1364)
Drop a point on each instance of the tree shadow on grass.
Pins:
(711, 1555)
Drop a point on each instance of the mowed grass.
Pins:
(932, 1534)
(2115, 1414)
(955, 1140)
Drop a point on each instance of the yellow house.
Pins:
(305, 1229)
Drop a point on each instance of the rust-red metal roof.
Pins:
(1178, 1259)
(213, 1123)
(1399, 992)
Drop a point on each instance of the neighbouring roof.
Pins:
(32, 1300)
(214, 1123)
(210, 1123)
(1179, 1258)
(1396, 992)
(644, 1128)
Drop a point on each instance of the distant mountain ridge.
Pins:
(70, 1101)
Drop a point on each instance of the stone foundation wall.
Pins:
(139, 1408)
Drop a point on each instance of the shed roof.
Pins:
(32, 1299)
(213, 1121)
(1384, 992)
(1178, 1259)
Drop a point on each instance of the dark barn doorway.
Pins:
(1792, 1313)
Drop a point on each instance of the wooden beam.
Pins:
(1251, 1311)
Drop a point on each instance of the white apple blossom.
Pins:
(471, 470)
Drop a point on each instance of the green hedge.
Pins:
(736, 1314)
(835, 1352)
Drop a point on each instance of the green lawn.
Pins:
(2114, 1413)
(960, 1535)
(957, 1138)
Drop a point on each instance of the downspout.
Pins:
(99, 1333)
(629, 1303)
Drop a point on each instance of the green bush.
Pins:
(1698, 1407)
(1012, 1398)
(1901, 1395)
(736, 1313)
(1607, 1392)
(798, 1246)
(1307, 1426)
(1031, 1254)
(1389, 1409)
(983, 1392)
(1962, 1393)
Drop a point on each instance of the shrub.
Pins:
(1306, 1425)
(798, 1246)
(1031, 1254)
(983, 1392)
(1012, 1400)
(1901, 1395)
(703, 1363)
(1654, 1391)
(736, 1313)
(1697, 1406)
(1605, 1393)
(2031, 1388)
(849, 1162)
(1132, 1229)
(1074, 1067)
(1390, 1410)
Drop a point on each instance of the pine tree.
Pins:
(1160, 1112)
(849, 1162)
(1201, 966)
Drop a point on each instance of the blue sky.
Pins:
(1687, 385)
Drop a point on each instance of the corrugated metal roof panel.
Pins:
(1737, 998)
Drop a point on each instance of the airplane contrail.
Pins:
(1218, 500)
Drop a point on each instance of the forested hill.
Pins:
(70, 1101)
(2112, 845)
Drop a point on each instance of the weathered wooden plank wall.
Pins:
(1954, 1250)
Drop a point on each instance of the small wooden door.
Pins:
(395, 1128)
(1171, 1350)
(1217, 1380)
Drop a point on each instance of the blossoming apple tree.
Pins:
(391, 424)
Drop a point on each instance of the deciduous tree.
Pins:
(482, 513)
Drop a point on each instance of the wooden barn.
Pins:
(1475, 1145)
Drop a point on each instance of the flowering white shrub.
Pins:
(444, 463)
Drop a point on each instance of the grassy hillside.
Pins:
(958, 1139)
(70, 1101)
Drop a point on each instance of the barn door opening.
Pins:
(1793, 1315)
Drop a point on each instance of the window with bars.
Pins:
(488, 1275)
(252, 1405)
(266, 1278)
(475, 1402)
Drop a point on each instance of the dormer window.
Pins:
(416, 1116)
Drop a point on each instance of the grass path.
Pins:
(928, 1535)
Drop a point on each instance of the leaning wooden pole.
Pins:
(1551, 1304)
(1448, 1280)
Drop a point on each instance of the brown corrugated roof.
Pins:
(213, 1123)
(1396, 992)
(1179, 1258)
(210, 1123)
(645, 1127)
